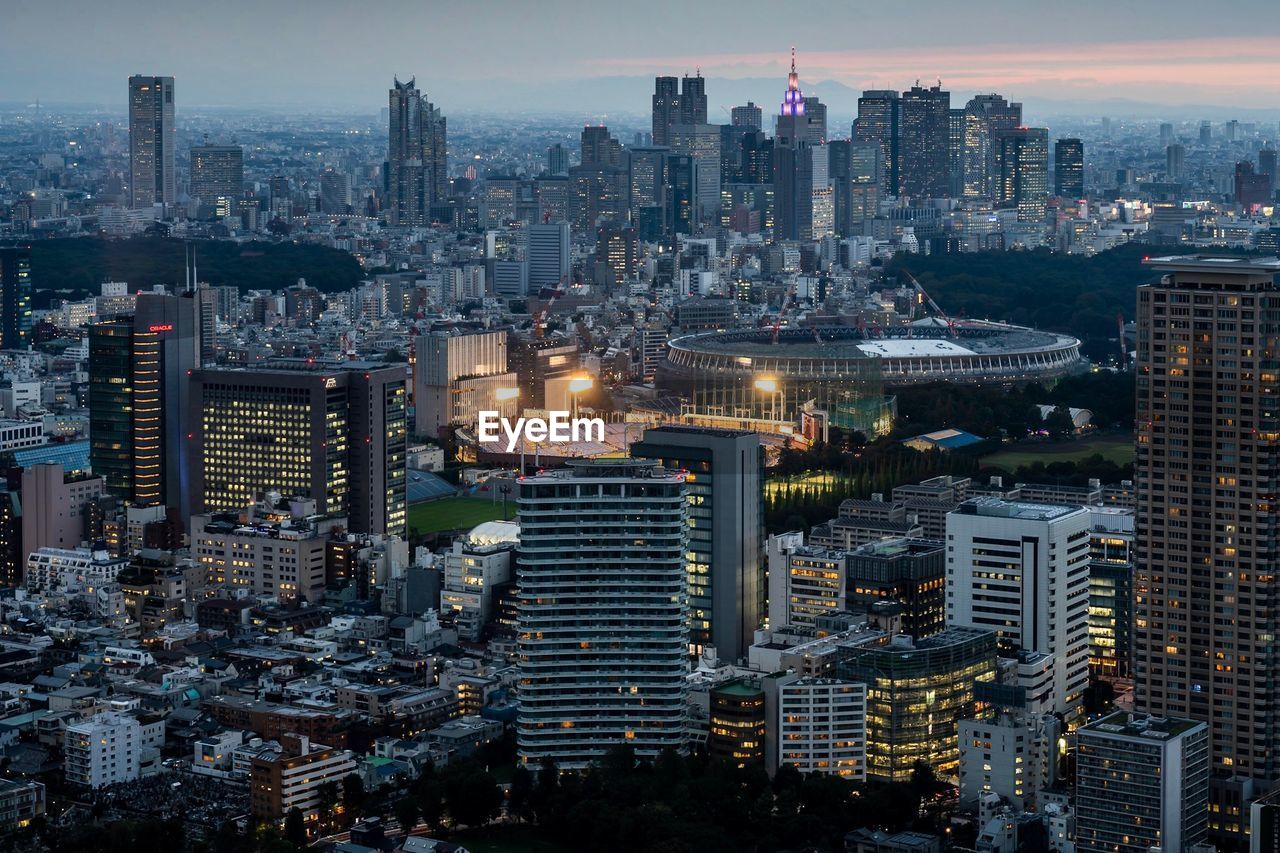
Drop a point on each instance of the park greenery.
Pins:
(74, 267)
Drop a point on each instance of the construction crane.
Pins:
(540, 318)
(786, 303)
(923, 296)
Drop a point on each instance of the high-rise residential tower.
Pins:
(152, 139)
(725, 563)
(217, 177)
(602, 633)
(417, 156)
(1208, 451)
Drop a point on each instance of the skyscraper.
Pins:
(693, 101)
(702, 143)
(1068, 169)
(1267, 166)
(924, 130)
(724, 563)
(987, 119)
(1174, 159)
(666, 108)
(138, 398)
(15, 297)
(879, 115)
(1024, 172)
(417, 156)
(335, 433)
(750, 116)
(217, 177)
(793, 165)
(1207, 442)
(558, 160)
(151, 141)
(602, 630)
(548, 255)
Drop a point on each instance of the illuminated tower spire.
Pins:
(793, 100)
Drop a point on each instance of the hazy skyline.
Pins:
(566, 56)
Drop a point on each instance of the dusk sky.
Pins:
(509, 54)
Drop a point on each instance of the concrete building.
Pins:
(910, 572)
(292, 778)
(250, 428)
(456, 376)
(1141, 783)
(266, 549)
(105, 749)
(725, 563)
(1022, 571)
(473, 567)
(736, 723)
(21, 801)
(217, 177)
(1012, 754)
(1203, 530)
(597, 611)
(152, 142)
(54, 506)
(817, 725)
(71, 569)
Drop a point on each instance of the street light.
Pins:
(770, 386)
(576, 386)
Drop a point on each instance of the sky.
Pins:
(574, 55)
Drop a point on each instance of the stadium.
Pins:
(848, 372)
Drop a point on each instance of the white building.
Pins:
(778, 549)
(71, 569)
(15, 435)
(1012, 755)
(1022, 571)
(818, 725)
(476, 564)
(103, 750)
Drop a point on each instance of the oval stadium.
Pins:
(847, 371)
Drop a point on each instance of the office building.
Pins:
(417, 156)
(749, 116)
(1205, 456)
(1252, 187)
(548, 256)
(16, 286)
(1022, 571)
(217, 177)
(908, 572)
(736, 725)
(810, 584)
(725, 562)
(603, 630)
(1267, 166)
(105, 749)
(817, 725)
(879, 116)
(474, 567)
(267, 549)
(693, 101)
(1010, 753)
(800, 167)
(1024, 172)
(152, 141)
(139, 398)
(924, 128)
(986, 119)
(1142, 783)
(701, 143)
(1175, 157)
(333, 432)
(1111, 561)
(335, 192)
(557, 160)
(295, 777)
(456, 376)
(666, 108)
(1068, 169)
(56, 506)
(537, 361)
(917, 692)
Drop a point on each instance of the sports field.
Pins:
(1114, 448)
(456, 514)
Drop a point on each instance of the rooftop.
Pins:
(997, 508)
(1127, 724)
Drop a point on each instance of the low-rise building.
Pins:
(293, 778)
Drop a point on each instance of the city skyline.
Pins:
(1066, 62)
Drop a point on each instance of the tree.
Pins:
(475, 799)
(327, 793)
(519, 795)
(406, 811)
(353, 794)
(1058, 422)
(431, 801)
(295, 830)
